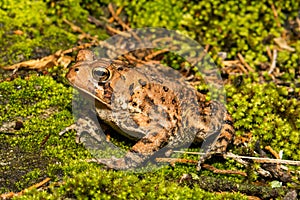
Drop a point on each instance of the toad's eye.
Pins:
(101, 74)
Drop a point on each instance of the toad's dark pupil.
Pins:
(101, 74)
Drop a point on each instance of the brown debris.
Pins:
(116, 18)
(273, 152)
(244, 62)
(46, 62)
(12, 194)
(282, 43)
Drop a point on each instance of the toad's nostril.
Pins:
(76, 69)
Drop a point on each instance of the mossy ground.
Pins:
(42, 104)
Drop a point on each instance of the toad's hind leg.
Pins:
(140, 152)
(222, 131)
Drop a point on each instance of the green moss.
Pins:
(166, 13)
(238, 26)
(33, 29)
(99, 184)
(39, 104)
(269, 113)
(31, 97)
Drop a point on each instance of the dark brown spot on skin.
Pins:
(173, 101)
(120, 68)
(228, 122)
(131, 86)
(163, 143)
(148, 121)
(106, 86)
(229, 131)
(143, 83)
(107, 90)
(149, 100)
(154, 134)
(166, 89)
(134, 104)
(145, 141)
(155, 107)
(162, 99)
(133, 151)
(142, 107)
(187, 123)
(168, 118)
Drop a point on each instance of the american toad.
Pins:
(152, 104)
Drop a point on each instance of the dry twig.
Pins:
(172, 161)
(118, 12)
(155, 53)
(115, 16)
(273, 65)
(256, 159)
(275, 15)
(273, 152)
(269, 52)
(244, 62)
(116, 31)
(222, 171)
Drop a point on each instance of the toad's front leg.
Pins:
(88, 132)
